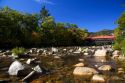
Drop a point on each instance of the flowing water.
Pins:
(61, 70)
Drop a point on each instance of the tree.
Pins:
(16, 28)
(120, 34)
(9, 23)
(44, 13)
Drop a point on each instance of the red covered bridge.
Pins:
(101, 40)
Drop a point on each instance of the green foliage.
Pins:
(123, 46)
(116, 46)
(120, 34)
(18, 50)
(44, 13)
(16, 28)
(36, 30)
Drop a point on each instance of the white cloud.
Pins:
(45, 2)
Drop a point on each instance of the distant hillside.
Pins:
(102, 32)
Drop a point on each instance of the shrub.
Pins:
(116, 46)
(18, 51)
(123, 47)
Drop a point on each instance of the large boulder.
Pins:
(84, 71)
(99, 78)
(105, 68)
(101, 53)
(15, 67)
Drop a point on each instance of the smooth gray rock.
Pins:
(38, 69)
(15, 67)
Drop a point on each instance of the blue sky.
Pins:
(93, 15)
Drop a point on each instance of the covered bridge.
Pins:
(101, 40)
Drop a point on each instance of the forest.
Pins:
(37, 30)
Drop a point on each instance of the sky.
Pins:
(93, 15)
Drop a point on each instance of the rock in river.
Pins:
(84, 71)
(38, 69)
(54, 50)
(116, 54)
(99, 78)
(15, 67)
(105, 68)
(102, 53)
(30, 61)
